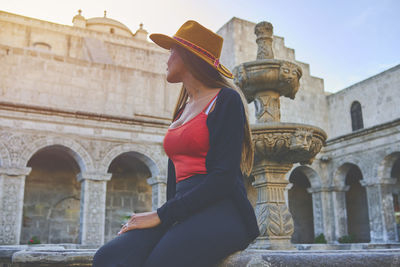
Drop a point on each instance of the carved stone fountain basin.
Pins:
(268, 75)
(287, 142)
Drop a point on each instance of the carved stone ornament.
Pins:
(268, 75)
(264, 31)
(274, 220)
(287, 142)
(267, 108)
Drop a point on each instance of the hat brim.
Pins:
(167, 42)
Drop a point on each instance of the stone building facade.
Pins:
(84, 109)
(83, 112)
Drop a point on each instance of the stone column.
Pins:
(158, 190)
(317, 195)
(286, 192)
(273, 216)
(12, 185)
(382, 221)
(93, 207)
(339, 210)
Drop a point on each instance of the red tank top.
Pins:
(187, 145)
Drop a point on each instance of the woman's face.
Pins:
(175, 67)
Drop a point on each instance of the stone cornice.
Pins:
(363, 132)
(152, 121)
(157, 180)
(14, 171)
(328, 189)
(94, 176)
(382, 181)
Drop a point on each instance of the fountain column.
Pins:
(274, 219)
(277, 145)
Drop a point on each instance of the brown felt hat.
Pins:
(197, 39)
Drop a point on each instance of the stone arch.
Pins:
(145, 153)
(70, 146)
(312, 176)
(129, 190)
(385, 166)
(5, 159)
(354, 199)
(52, 191)
(389, 171)
(339, 175)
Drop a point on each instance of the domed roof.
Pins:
(106, 23)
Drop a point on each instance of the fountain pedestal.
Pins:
(273, 216)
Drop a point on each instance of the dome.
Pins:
(108, 25)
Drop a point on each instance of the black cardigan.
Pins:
(224, 177)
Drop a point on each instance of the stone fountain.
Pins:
(277, 145)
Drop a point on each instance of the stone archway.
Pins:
(395, 173)
(71, 147)
(127, 191)
(51, 209)
(301, 208)
(150, 155)
(389, 174)
(358, 225)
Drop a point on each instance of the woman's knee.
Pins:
(128, 249)
(101, 257)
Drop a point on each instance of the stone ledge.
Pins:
(54, 257)
(343, 258)
(58, 256)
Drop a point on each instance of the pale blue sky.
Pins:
(343, 41)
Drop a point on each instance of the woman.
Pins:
(207, 215)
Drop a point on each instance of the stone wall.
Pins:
(378, 95)
(63, 40)
(40, 79)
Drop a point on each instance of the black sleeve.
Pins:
(226, 130)
(171, 180)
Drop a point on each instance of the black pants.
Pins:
(199, 241)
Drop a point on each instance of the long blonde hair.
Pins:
(210, 77)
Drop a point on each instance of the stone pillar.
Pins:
(382, 221)
(158, 190)
(286, 192)
(93, 207)
(12, 185)
(273, 216)
(317, 195)
(339, 210)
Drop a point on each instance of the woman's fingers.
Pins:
(132, 219)
(128, 226)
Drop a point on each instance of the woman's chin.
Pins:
(173, 80)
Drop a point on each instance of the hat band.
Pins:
(199, 49)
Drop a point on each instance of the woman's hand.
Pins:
(141, 220)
